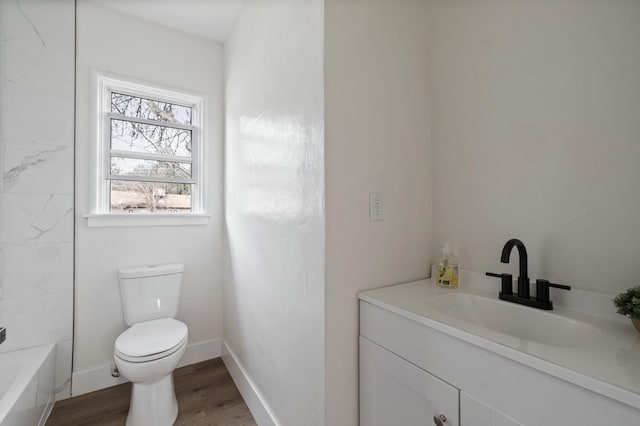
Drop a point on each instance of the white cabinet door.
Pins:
(394, 392)
(475, 413)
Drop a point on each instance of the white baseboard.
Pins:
(252, 397)
(92, 380)
(201, 351)
(100, 377)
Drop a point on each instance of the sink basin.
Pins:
(514, 320)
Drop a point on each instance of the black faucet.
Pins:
(523, 297)
(523, 279)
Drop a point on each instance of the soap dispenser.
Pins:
(447, 271)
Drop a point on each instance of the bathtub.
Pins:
(27, 378)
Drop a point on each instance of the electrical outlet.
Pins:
(375, 207)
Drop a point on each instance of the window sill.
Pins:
(100, 220)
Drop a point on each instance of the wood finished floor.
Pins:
(206, 396)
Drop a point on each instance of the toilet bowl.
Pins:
(146, 354)
(150, 349)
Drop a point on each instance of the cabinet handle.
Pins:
(439, 420)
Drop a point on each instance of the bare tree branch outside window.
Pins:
(168, 143)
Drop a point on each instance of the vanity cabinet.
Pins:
(394, 392)
(410, 372)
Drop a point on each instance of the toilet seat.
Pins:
(151, 340)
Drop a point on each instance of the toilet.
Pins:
(151, 348)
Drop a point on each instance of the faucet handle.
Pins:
(542, 290)
(560, 286)
(507, 282)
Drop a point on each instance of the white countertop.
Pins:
(607, 363)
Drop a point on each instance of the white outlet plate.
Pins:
(375, 207)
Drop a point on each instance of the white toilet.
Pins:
(150, 349)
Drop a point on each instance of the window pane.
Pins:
(134, 106)
(161, 169)
(149, 197)
(136, 137)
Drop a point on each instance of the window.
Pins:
(149, 153)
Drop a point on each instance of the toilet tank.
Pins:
(150, 292)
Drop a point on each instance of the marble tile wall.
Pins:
(37, 49)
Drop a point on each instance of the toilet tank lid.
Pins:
(151, 271)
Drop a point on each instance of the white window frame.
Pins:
(103, 85)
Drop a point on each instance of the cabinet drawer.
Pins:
(475, 413)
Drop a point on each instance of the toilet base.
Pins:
(153, 404)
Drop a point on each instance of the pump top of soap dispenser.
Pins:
(449, 257)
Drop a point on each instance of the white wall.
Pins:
(36, 184)
(274, 284)
(376, 140)
(117, 43)
(536, 135)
